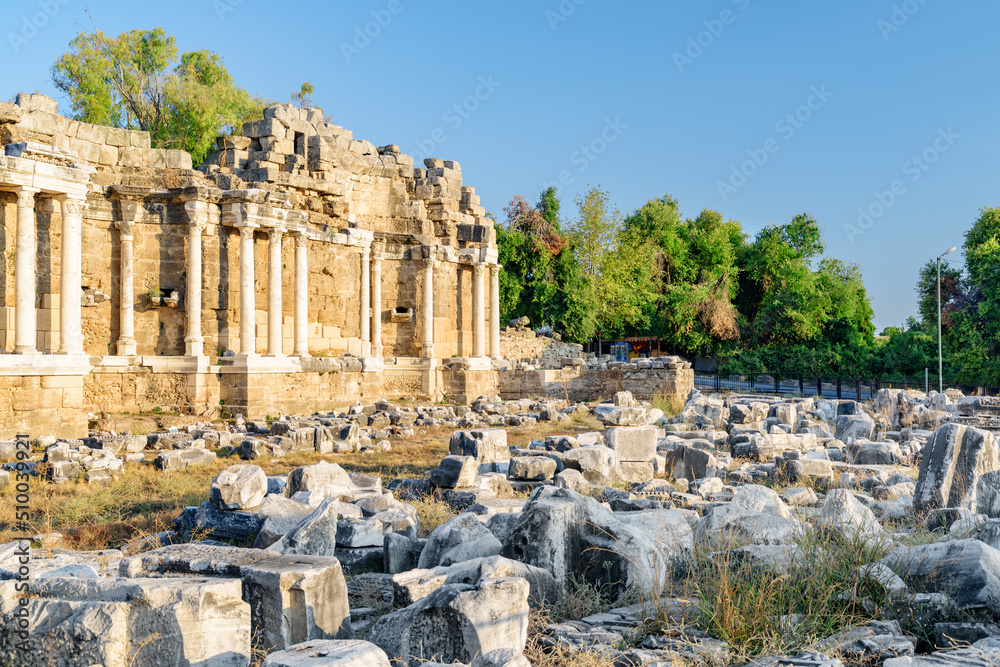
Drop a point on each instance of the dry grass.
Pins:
(580, 423)
(432, 513)
(143, 500)
(747, 606)
(670, 405)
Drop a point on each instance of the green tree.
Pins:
(303, 96)
(595, 231)
(541, 278)
(135, 81)
(618, 268)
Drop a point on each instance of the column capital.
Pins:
(197, 214)
(494, 270)
(478, 268)
(125, 228)
(246, 231)
(301, 240)
(378, 250)
(366, 253)
(26, 195)
(72, 205)
(275, 234)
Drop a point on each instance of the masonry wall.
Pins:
(342, 193)
(42, 404)
(578, 384)
(524, 345)
(356, 186)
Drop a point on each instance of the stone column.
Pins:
(70, 311)
(126, 309)
(428, 346)
(366, 308)
(194, 341)
(301, 295)
(478, 310)
(495, 311)
(377, 302)
(274, 237)
(24, 274)
(128, 197)
(248, 323)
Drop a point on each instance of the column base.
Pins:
(480, 363)
(28, 351)
(126, 347)
(185, 364)
(262, 364)
(194, 346)
(74, 351)
(373, 364)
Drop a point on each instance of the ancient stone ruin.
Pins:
(299, 268)
(332, 571)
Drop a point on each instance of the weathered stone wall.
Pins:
(524, 344)
(339, 182)
(50, 404)
(138, 389)
(348, 198)
(580, 384)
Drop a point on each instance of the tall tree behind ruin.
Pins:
(135, 81)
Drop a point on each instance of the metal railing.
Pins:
(858, 389)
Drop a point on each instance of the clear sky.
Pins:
(760, 110)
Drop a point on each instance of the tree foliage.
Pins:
(136, 81)
(700, 285)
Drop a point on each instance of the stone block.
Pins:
(121, 622)
(9, 113)
(454, 472)
(329, 653)
(532, 468)
(487, 446)
(491, 615)
(238, 487)
(181, 459)
(207, 520)
(631, 472)
(292, 598)
(620, 416)
(954, 459)
(632, 444)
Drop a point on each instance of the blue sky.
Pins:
(760, 110)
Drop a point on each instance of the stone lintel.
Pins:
(44, 364)
(177, 364)
(31, 150)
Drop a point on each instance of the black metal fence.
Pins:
(858, 389)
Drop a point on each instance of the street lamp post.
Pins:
(940, 360)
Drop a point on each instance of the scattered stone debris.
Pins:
(623, 509)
